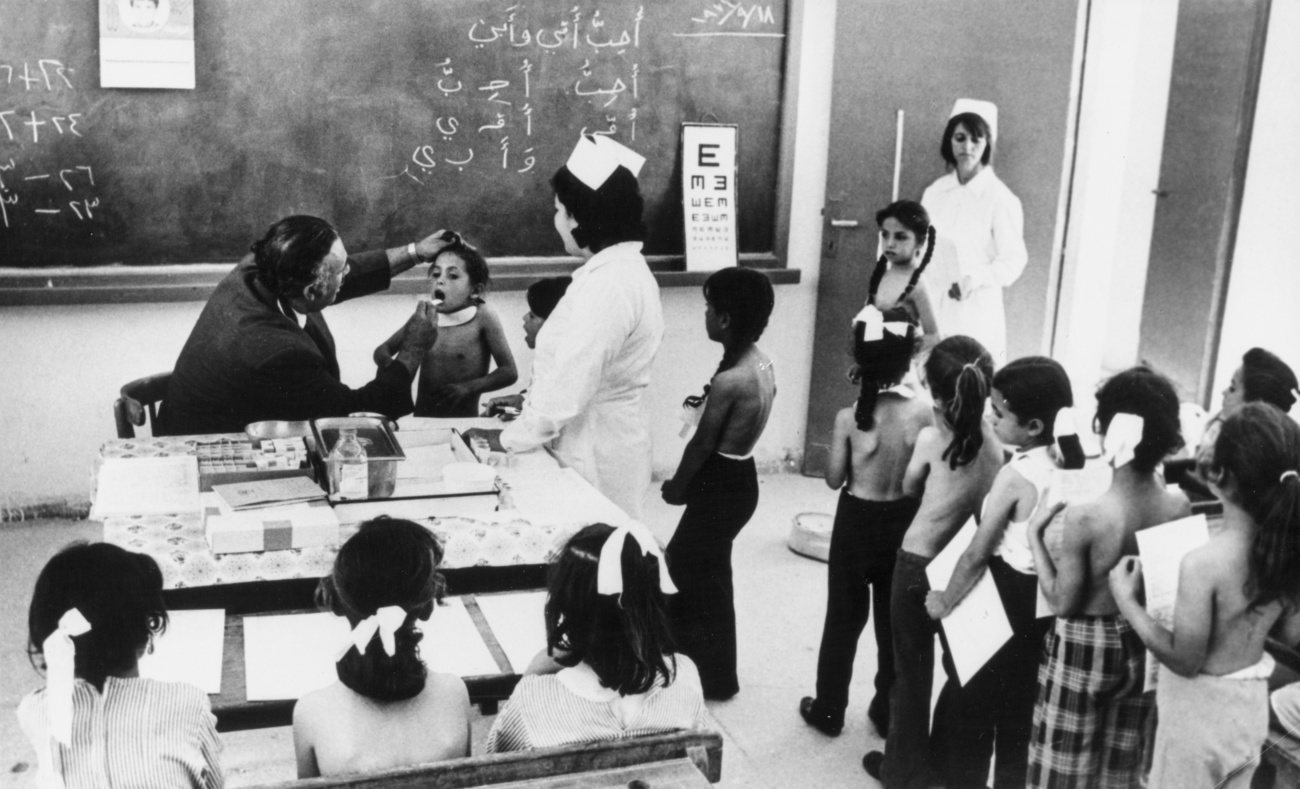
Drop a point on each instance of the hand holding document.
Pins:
(1162, 549)
(978, 627)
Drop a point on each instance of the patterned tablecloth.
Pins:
(178, 543)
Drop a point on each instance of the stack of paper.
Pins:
(144, 486)
(268, 492)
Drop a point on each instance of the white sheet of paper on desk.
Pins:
(452, 643)
(190, 650)
(977, 628)
(290, 655)
(143, 486)
(518, 621)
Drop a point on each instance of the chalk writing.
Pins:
(65, 124)
(53, 74)
(46, 193)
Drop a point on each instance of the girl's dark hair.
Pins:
(544, 294)
(881, 363)
(1143, 392)
(624, 638)
(118, 592)
(913, 216)
(1266, 377)
(388, 561)
(1258, 444)
(476, 267)
(288, 257)
(606, 216)
(1036, 387)
(978, 128)
(958, 372)
(744, 294)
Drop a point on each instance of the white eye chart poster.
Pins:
(146, 44)
(709, 195)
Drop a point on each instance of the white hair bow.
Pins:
(61, 665)
(609, 570)
(1066, 423)
(874, 324)
(1122, 438)
(386, 620)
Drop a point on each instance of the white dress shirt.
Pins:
(981, 234)
(591, 369)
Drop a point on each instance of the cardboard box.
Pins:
(306, 525)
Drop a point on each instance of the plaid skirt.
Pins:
(1090, 718)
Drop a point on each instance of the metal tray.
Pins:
(375, 434)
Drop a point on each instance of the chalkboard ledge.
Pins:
(195, 282)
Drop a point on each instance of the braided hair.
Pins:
(959, 372)
(913, 216)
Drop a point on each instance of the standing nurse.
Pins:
(981, 247)
(594, 353)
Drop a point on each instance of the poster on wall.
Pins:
(146, 44)
(709, 195)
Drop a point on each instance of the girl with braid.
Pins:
(869, 449)
(952, 470)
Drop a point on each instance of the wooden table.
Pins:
(235, 712)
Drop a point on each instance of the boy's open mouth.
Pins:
(438, 294)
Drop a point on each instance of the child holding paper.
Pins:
(95, 610)
(1090, 716)
(609, 672)
(542, 297)
(386, 710)
(1030, 402)
(869, 449)
(952, 469)
(717, 479)
(1212, 694)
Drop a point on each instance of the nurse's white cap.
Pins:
(985, 109)
(596, 157)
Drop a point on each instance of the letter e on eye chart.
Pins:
(146, 44)
(709, 196)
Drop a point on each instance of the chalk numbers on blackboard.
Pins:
(65, 191)
(503, 133)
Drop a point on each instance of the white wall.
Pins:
(1264, 284)
(1121, 128)
(64, 365)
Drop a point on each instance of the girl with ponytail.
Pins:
(1232, 591)
(387, 710)
(1031, 411)
(869, 449)
(951, 470)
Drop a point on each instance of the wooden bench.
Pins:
(654, 762)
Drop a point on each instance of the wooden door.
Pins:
(920, 56)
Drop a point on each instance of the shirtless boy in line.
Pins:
(717, 479)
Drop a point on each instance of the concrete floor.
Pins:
(780, 601)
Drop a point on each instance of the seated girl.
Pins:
(455, 370)
(95, 610)
(386, 710)
(609, 671)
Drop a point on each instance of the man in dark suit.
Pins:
(261, 348)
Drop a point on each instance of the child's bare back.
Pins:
(951, 496)
(351, 733)
(878, 458)
(1220, 571)
(1107, 527)
(748, 387)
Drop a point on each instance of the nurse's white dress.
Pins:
(590, 372)
(981, 233)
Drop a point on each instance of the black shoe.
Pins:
(826, 724)
(878, 717)
(872, 762)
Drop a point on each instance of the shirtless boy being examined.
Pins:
(716, 479)
(1091, 713)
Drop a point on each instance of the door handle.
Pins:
(845, 223)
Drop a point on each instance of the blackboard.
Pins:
(367, 113)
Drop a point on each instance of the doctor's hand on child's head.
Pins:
(427, 248)
(1126, 578)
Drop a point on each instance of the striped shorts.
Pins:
(1090, 718)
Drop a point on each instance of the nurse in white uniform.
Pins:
(981, 244)
(594, 352)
